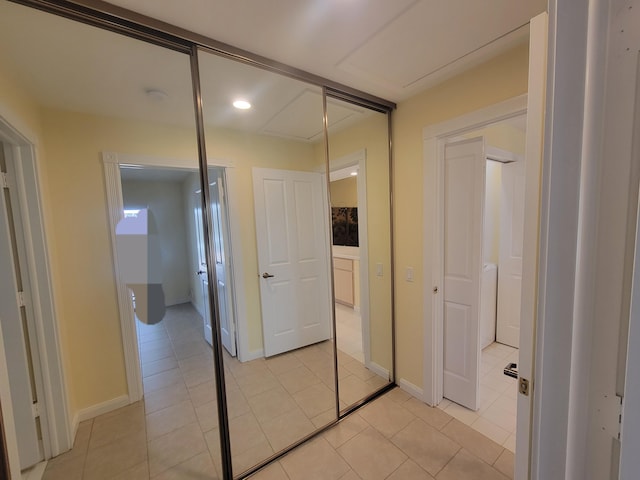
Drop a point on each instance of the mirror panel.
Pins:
(87, 94)
(279, 363)
(361, 238)
(114, 124)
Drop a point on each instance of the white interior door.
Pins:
(511, 238)
(13, 321)
(222, 263)
(292, 258)
(464, 186)
(222, 258)
(201, 269)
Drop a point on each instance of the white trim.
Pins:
(36, 472)
(531, 235)
(359, 158)
(435, 137)
(54, 392)
(128, 330)
(500, 155)
(379, 370)
(160, 162)
(111, 162)
(253, 355)
(237, 268)
(7, 415)
(411, 389)
(99, 409)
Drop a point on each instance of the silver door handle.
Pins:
(267, 275)
(200, 272)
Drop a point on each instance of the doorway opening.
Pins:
(348, 193)
(164, 200)
(346, 261)
(169, 201)
(488, 165)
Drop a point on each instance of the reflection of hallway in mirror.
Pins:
(272, 402)
(349, 332)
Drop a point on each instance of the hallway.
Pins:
(173, 432)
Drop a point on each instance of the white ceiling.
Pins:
(392, 49)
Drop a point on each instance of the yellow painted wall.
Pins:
(370, 134)
(23, 113)
(75, 210)
(344, 192)
(86, 287)
(499, 79)
(248, 151)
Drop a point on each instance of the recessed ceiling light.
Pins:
(156, 94)
(242, 104)
(353, 174)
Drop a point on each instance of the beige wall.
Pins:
(371, 135)
(84, 282)
(499, 79)
(73, 144)
(344, 192)
(74, 200)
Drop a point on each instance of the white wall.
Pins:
(189, 198)
(165, 200)
(493, 185)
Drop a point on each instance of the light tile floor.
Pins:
(396, 437)
(173, 434)
(496, 417)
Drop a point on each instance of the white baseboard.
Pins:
(96, 410)
(179, 301)
(254, 355)
(36, 472)
(378, 370)
(411, 389)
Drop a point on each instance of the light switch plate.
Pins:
(409, 274)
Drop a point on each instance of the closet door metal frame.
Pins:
(120, 20)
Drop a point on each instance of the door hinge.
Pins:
(21, 302)
(35, 408)
(4, 180)
(609, 413)
(620, 412)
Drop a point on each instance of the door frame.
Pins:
(58, 431)
(359, 159)
(434, 139)
(111, 162)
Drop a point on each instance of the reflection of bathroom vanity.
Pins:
(346, 274)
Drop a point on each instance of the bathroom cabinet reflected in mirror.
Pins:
(361, 216)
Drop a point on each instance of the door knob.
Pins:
(267, 275)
